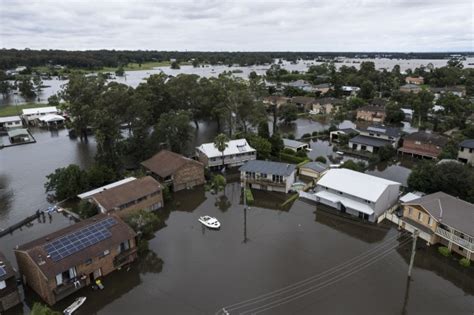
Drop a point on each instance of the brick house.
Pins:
(325, 105)
(175, 170)
(371, 113)
(303, 102)
(61, 263)
(423, 144)
(9, 295)
(442, 219)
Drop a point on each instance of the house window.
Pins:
(263, 175)
(88, 261)
(409, 211)
(430, 221)
(461, 249)
(420, 216)
(124, 246)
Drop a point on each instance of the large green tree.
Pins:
(174, 130)
(67, 182)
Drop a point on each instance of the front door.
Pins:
(97, 273)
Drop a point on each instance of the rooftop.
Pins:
(92, 192)
(18, 132)
(469, 143)
(426, 137)
(372, 109)
(380, 129)
(448, 210)
(268, 167)
(315, 166)
(51, 117)
(371, 141)
(237, 146)
(73, 245)
(40, 110)
(355, 183)
(165, 163)
(9, 119)
(293, 143)
(6, 270)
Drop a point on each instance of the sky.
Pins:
(240, 25)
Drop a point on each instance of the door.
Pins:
(97, 273)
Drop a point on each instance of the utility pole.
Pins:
(413, 250)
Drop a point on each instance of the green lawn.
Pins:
(13, 110)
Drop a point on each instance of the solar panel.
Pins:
(2, 272)
(78, 240)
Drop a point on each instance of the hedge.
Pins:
(291, 158)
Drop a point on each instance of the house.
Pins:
(458, 90)
(415, 80)
(275, 100)
(410, 88)
(10, 122)
(335, 135)
(302, 85)
(357, 194)
(466, 151)
(19, 135)
(175, 170)
(140, 194)
(59, 264)
(325, 105)
(373, 138)
(423, 144)
(295, 145)
(322, 88)
(313, 169)
(408, 113)
(31, 114)
(371, 113)
(51, 120)
(442, 219)
(350, 90)
(236, 153)
(9, 295)
(268, 175)
(303, 102)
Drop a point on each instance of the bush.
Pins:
(301, 153)
(444, 251)
(143, 222)
(465, 262)
(291, 158)
(288, 151)
(86, 209)
(321, 159)
(291, 136)
(314, 134)
(306, 135)
(249, 196)
(218, 182)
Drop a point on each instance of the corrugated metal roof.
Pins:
(268, 167)
(233, 147)
(40, 110)
(315, 166)
(9, 119)
(374, 142)
(293, 143)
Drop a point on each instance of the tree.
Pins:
(40, 309)
(143, 222)
(54, 100)
(174, 130)
(175, 65)
(221, 143)
(38, 83)
(385, 153)
(86, 209)
(218, 182)
(262, 145)
(120, 72)
(367, 90)
(450, 150)
(321, 159)
(288, 113)
(67, 182)
(26, 88)
(350, 164)
(394, 115)
(277, 143)
(263, 129)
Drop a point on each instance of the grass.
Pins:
(14, 110)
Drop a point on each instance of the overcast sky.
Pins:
(241, 25)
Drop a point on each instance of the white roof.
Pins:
(293, 143)
(9, 119)
(411, 196)
(354, 183)
(51, 117)
(40, 110)
(234, 147)
(347, 202)
(90, 193)
(407, 111)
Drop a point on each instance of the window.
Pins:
(420, 216)
(409, 211)
(124, 246)
(88, 261)
(460, 248)
(430, 220)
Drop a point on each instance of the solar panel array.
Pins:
(72, 243)
(2, 272)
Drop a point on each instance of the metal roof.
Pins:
(371, 141)
(40, 110)
(467, 144)
(9, 119)
(90, 193)
(315, 166)
(268, 167)
(237, 146)
(293, 143)
(18, 132)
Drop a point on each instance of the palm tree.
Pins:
(221, 143)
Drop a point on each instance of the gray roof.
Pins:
(371, 141)
(411, 86)
(323, 85)
(315, 166)
(268, 167)
(449, 210)
(389, 131)
(467, 144)
(18, 132)
(349, 130)
(293, 143)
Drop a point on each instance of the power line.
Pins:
(307, 281)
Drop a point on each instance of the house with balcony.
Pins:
(374, 114)
(9, 295)
(357, 194)
(466, 151)
(127, 195)
(175, 170)
(268, 175)
(442, 219)
(372, 138)
(423, 144)
(235, 154)
(61, 263)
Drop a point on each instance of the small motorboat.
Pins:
(210, 222)
(75, 305)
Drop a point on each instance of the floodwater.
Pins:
(134, 78)
(192, 270)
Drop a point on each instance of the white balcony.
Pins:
(455, 239)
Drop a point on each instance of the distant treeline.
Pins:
(96, 59)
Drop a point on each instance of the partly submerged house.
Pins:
(31, 114)
(9, 295)
(373, 138)
(173, 169)
(51, 120)
(236, 153)
(59, 264)
(423, 144)
(19, 135)
(371, 113)
(295, 145)
(313, 170)
(357, 194)
(268, 175)
(442, 219)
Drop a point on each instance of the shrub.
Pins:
(321, 159)
(444, 251)
(218, 182)
(143, 222)
(249, 196)
(86, 209)
(306, 135)
(465, 262)
(291, 158)
(314, 134)
(301, 153)
(288, 151)
(291, 136)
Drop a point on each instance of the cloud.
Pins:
(244, 25)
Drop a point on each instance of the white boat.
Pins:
(75, 305)
(340, 152)
(210, 222)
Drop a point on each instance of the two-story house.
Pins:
(127, 195)
(303, 102)
(59, 264)
(371, 113)
(173, 169)
(268, 175)
(236, 153)
(423, 144)
(275, 100)
(9, 295)
(466, 151)
(442, 219)
(373, 138)
(358, 194)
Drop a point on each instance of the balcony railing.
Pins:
(264, 181)
(123, 257)
(455, 239)
(68, 288)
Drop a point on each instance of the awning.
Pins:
(347, 202)
(51, 118)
